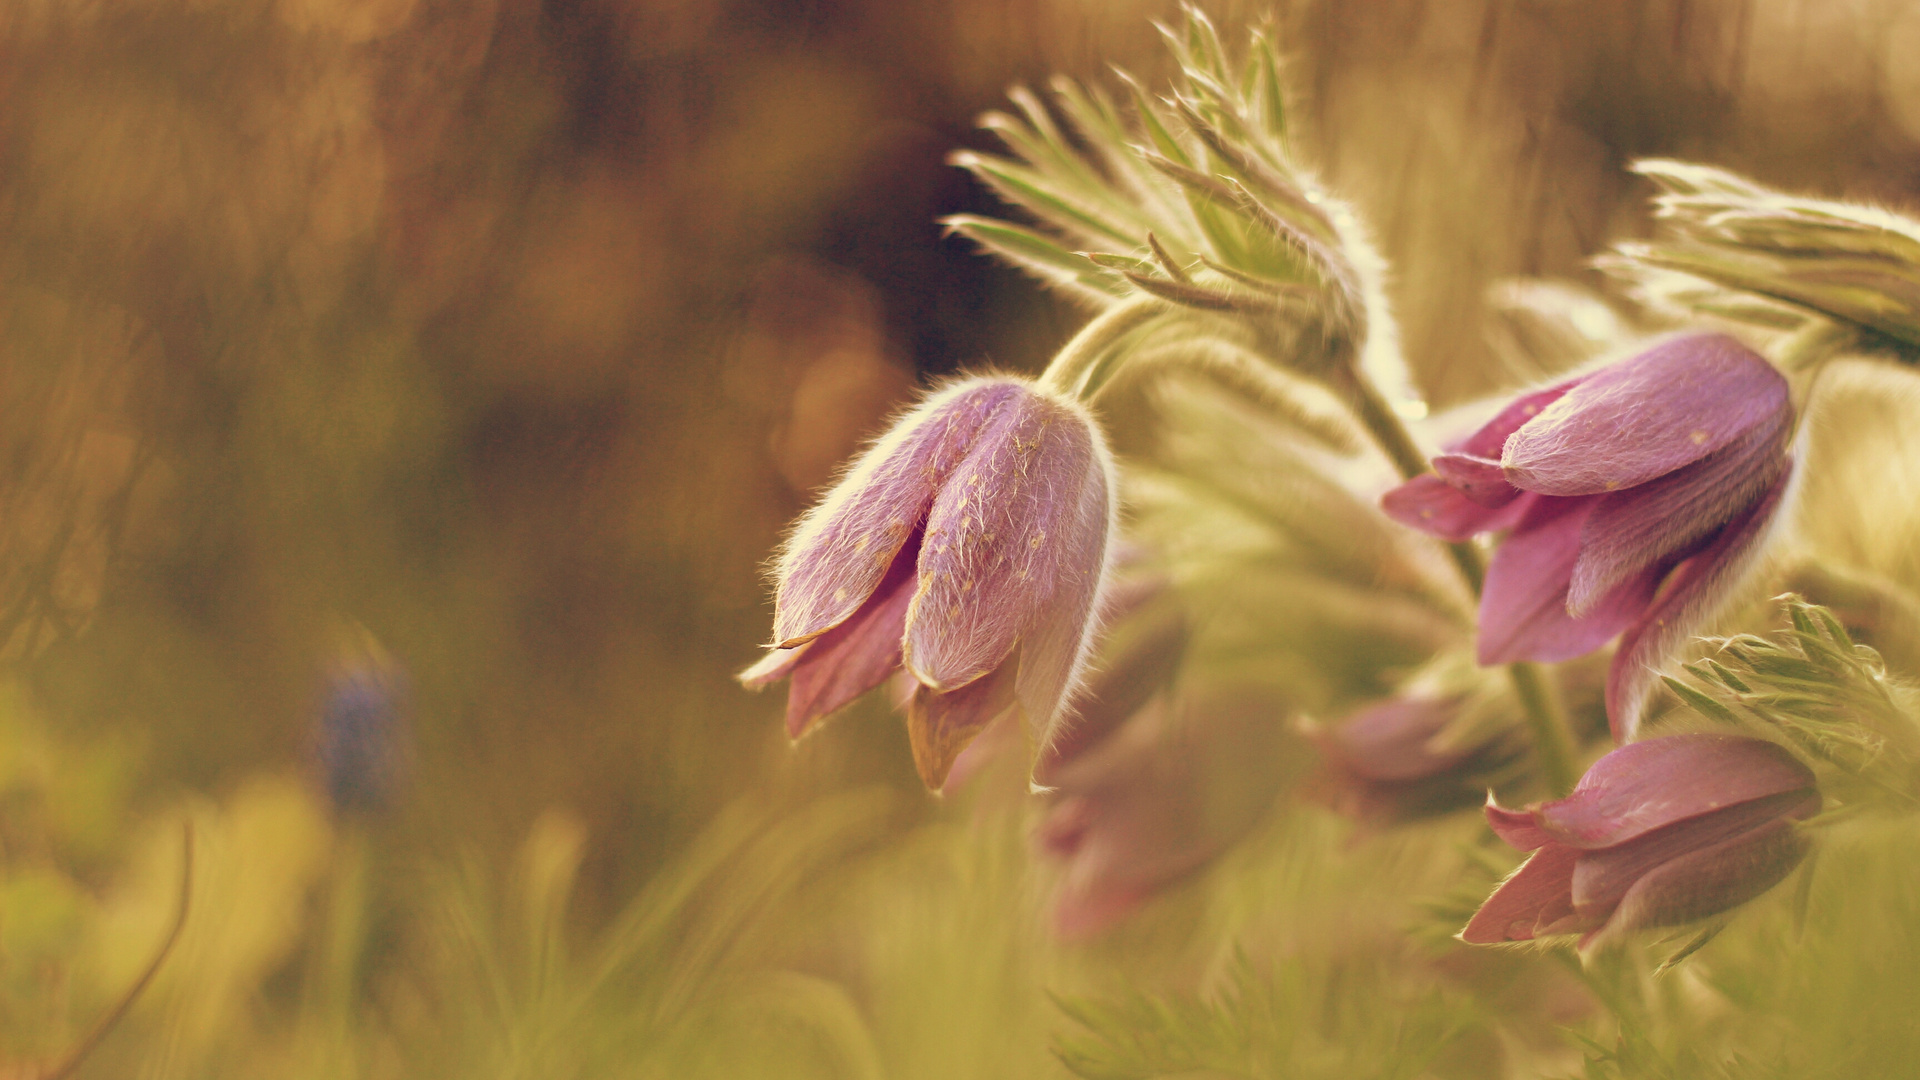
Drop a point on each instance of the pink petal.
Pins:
(1477, 478)
(1523, 609)
(1631, 530)
(1492, 436)
(1516, 827)
(856, 656)
(1388, 741)
(1646, 785)
(1539, 887)
(842, 547)
(1645, 417)
(1015, 549)
(1181, 780)
(1692, 594)
(1603, 877)
(939, 726)
(777, 664)
(1437, 508)
(1706, 882)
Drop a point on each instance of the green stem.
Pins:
(1546, 718)
(1082, 366)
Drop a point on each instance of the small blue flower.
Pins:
(360, 744)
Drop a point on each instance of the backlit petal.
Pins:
(856, 656)
(1645, 417)
(842, 548)
(1015, 545)
(1540, 887)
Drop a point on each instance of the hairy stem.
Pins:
(1085, 363)
(1553, 743)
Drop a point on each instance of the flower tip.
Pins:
(771, 668)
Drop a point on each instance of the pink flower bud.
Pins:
(1658, 833)
(1387, 763)
(967, 546)
(1636, 495)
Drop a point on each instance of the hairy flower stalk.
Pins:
(967, 546)
(1658, 833)
(1634, 498)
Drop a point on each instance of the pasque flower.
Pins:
(1658, 833)
(967, 547)
(1390, 762)
(1636, 496)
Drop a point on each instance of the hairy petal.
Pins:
(1516, 827)
(1016, 545)
(1633, 529)
(1531, 897)
(1491, 439)
(1655, 783)
(843, 546)
(1603, 877)
(1692, 594)
(939, 726)
(1645, 417)
(1706, 882)
(856, 656)
(1523, 609)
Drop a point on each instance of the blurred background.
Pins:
(492, 343)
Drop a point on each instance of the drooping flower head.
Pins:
(1636, 496)
(1658, 833)
(1392, 760)
(968, 547)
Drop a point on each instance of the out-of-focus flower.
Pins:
(1657, 833)
(360, 740)
(1161, 797)
(1637, 495)
(1392, 761)
(967, 546)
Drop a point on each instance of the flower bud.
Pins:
(967, 547)
(1657, 833)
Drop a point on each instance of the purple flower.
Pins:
(1164, 794)
(1385, 763)
(1636, 496)
(1658, 833)
(967, 547)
